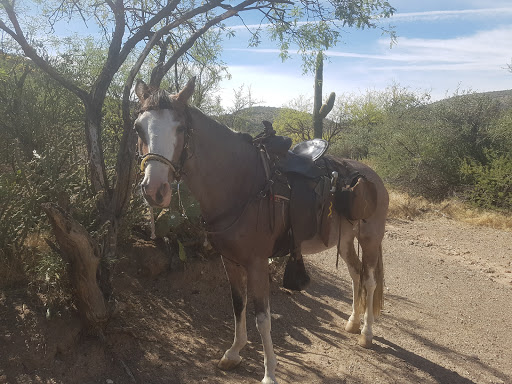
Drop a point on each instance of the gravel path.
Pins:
(446, 319)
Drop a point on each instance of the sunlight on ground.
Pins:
(404, 206)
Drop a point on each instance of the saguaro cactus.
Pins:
(320, 111)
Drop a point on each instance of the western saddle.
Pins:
(302, 177)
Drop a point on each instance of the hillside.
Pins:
(504, 98)
(249, 119)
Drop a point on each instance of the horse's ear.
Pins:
(188, 91)
(141, 90)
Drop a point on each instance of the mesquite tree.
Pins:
(131, 31)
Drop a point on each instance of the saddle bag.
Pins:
(358, 200)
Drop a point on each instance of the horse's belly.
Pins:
(314, 245)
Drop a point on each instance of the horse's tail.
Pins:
(378, 294)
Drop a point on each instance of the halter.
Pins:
(155, 156)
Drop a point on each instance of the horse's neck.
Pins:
(223, 171)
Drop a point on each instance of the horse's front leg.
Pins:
(237, 277)
(260, 287)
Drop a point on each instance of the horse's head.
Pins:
(162, 129)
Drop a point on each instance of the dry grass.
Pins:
(403, 206)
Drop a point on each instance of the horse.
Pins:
(224, 172)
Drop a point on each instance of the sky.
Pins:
(442, 47)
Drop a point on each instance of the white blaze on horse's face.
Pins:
(158, 130)
(161, 138)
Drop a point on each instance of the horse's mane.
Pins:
(157, 99)
(222, 127)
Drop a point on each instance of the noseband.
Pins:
(156, 157)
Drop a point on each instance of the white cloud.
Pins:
(475, 61)
(269, 86)
(451, 14)
(484, 50)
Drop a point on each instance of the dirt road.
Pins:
(447, 319)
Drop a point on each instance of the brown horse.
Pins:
(224, 171)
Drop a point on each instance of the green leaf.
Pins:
(181, 252)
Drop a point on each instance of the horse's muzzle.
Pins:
(157, 197)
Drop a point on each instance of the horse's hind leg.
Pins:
(348, 254)
(237, 277)
(371, 288)
(260, 287)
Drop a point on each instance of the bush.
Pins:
(490, 183)
(52, 176)
(420, 147)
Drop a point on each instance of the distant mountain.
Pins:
(504, 98)
(249, 120)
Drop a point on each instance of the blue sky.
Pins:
(442, 46)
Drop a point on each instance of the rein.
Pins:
(264, 192)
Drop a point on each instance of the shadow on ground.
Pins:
(173, 329)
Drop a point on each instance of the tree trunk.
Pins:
(98, 175)
(83, 254)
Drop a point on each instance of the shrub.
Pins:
(490, 183)
(52, 176)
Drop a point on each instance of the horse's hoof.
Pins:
(365, 341)
(228, 364)
(352, 327)
(268, 380)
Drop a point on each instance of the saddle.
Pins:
(296, 178)
(303, 177)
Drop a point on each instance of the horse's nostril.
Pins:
(162, 192)
(159, 197)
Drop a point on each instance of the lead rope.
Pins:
(339, 242)
(152, 223)
(180, 203)
(269, 182)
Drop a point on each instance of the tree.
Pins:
(133, 31)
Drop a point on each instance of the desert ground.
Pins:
(447, 319)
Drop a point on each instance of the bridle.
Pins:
(175, 168)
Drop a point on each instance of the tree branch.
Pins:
(156, 76)
(31, 53)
